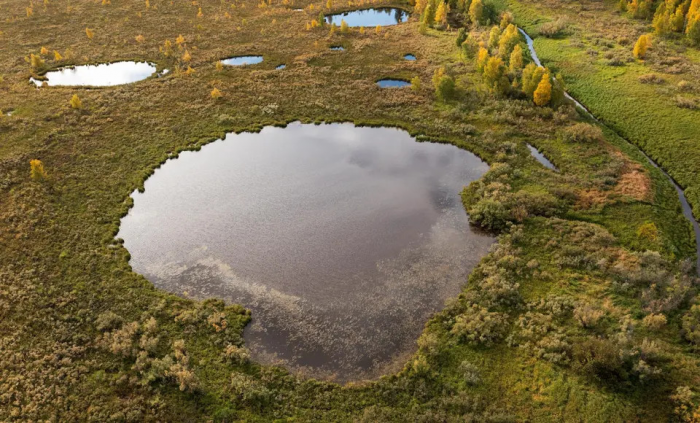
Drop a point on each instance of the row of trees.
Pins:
(499, 57)
(434, 13)
(671, 16)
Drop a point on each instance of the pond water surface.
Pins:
(541, 158)
(243, 60)
(342, 240)
(383, 16)
(107, 74)
(409, 57)
(393, 83)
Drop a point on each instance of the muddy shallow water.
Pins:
(341, 240)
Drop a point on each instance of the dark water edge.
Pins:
(342, 241)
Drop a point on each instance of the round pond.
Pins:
(342, 240)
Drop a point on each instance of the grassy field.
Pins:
(575, 314)
(594, 53)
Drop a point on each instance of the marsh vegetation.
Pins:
(584, 308)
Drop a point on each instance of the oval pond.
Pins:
(393, 83)
(382, 16)
(342, 240)
(242, 60)
(104, 75)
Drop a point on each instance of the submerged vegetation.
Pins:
(585, 309)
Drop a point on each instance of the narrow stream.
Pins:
(687, 210)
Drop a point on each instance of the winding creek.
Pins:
(687, 210)
(342, 240)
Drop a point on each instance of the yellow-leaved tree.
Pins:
(476, 11)
(36, 62)
(641, 46)
(420, 6)
(543, 93)
(37, 172)
(481, 58)
(90, 33)
(75, 102)
(516, 59)
(216, 94)
(441, 14)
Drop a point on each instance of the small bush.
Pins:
(599, 359)
(691, 325)
(445, 88)
(37, 172)
(583, 133)
(490, 214)
(477, 325)
(76, 102)
(554, 28)
(471, 373)
(107, 321)
(587, 316)
(415, 83)
(648, 232)
(685, 86)
(654, 321)
(461, 37)
(236, 355)
(651, 78)
(686, 103)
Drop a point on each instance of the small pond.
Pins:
(392, 83)
(243, 60)
(541, 158)
(104, 75)
(280, 67)
(337, 48)
(382, 16)
(409, 57)
(341, 240)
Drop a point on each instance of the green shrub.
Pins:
(478, 325)
(445, 88)
(461, 37)
(600, 359)
(554, 28)
(490, 214)
(583, 133)
(691, 325)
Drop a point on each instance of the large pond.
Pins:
(103, 75)
(342, 240)
(383, 16)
